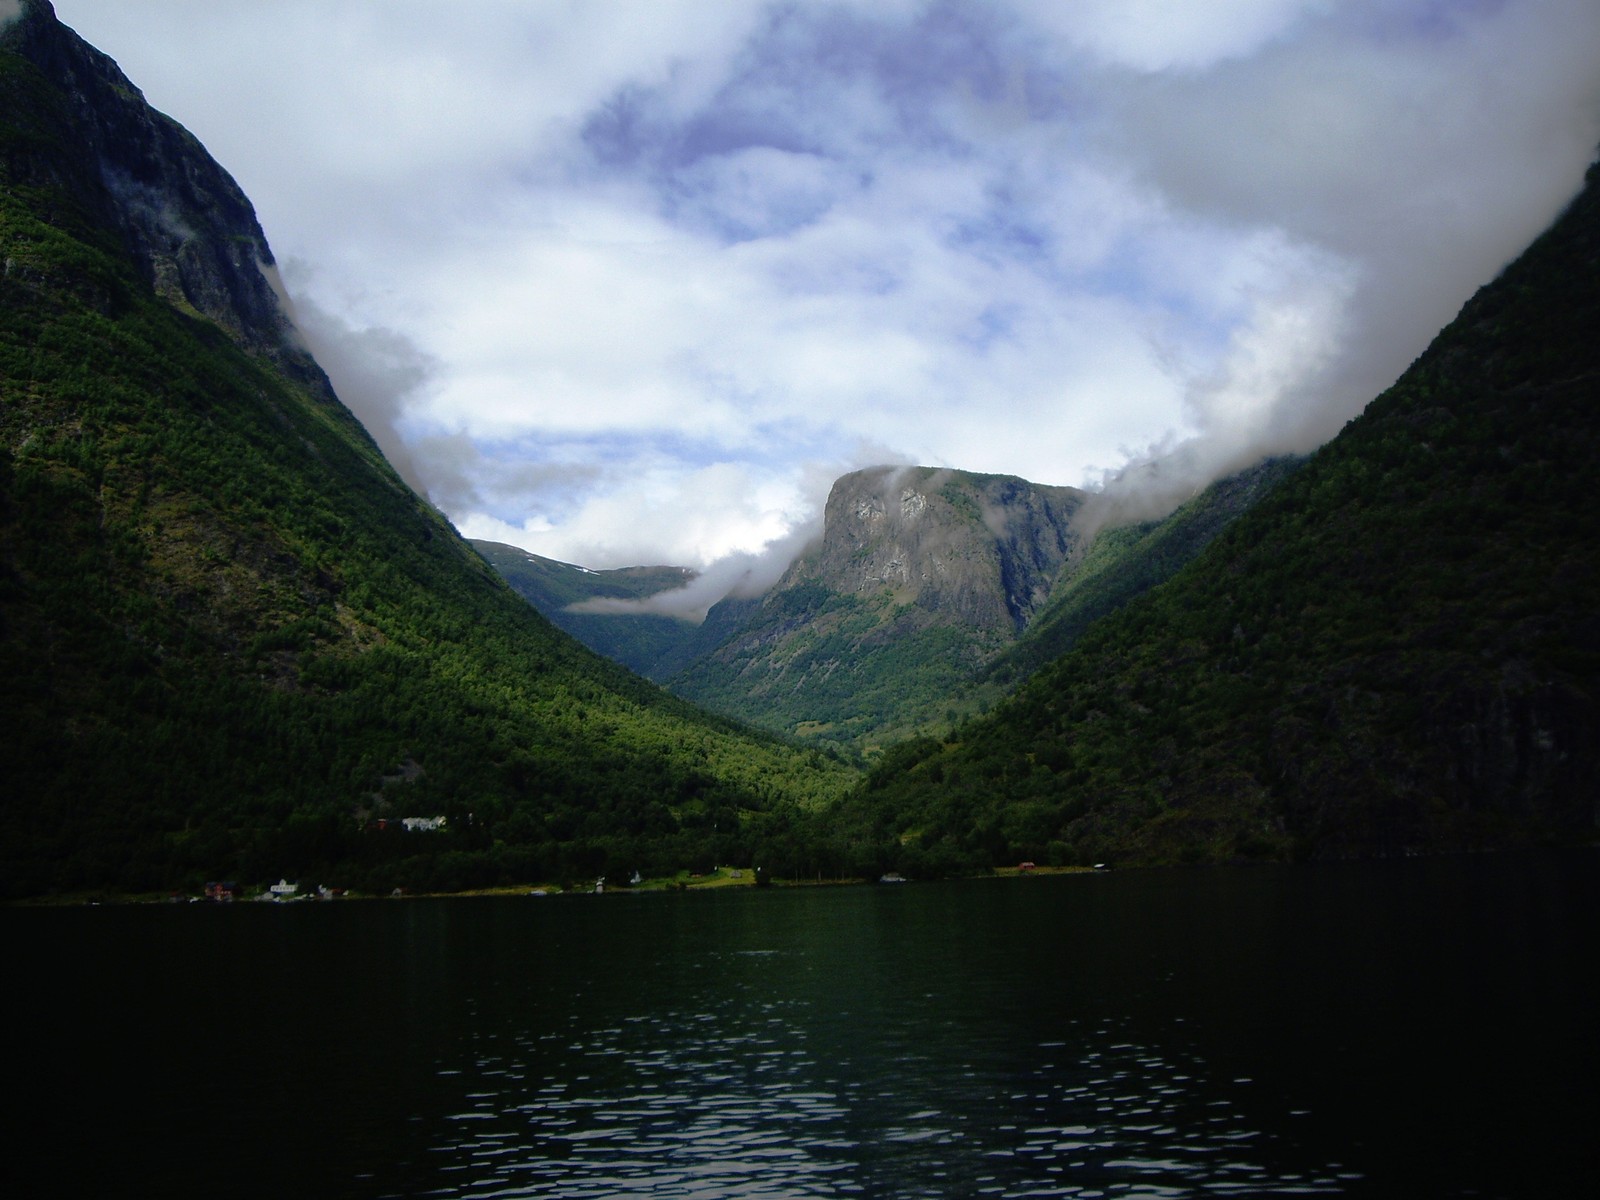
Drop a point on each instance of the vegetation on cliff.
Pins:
(637, 640)
(1123, 561)
(920, 578)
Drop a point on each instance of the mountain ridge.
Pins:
(194, 233)
(636, 640)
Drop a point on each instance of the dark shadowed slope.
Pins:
(232, 640)
(1397, 649)
(1123, 562)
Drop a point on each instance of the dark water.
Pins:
(1421, 1028)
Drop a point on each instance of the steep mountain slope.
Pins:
(1398, 649)
(921, 576)
(231, 637)
(1123, 562)
(636, 640)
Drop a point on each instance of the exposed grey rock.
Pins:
(983, 550)
(188, 224)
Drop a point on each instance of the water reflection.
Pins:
(746, 1092)
(1417, 1029)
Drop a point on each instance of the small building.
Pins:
(283, 889)
(217, 890)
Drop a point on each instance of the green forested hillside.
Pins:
(637, 640)
(231, 638)
(844, 672)
(1124, 561)
(1397, 649)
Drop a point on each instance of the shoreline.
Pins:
(723, 879)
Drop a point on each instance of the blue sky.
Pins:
(630, 281)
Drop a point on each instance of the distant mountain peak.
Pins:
(985, 548)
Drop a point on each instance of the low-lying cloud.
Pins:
(739, 575)
(1411, 152)
(378, 373)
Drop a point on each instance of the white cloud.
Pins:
(740, 573)
(762, 191)
(624, 282)
(1399, 158)
(664, 516)
(1155, 35)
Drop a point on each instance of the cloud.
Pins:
(760, 191)
(1161, 35)
(376, 372)
(663, 514)
(619, 282)
(1401, 157)
(740, 574)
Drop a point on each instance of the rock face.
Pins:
(921, 576)
(184, 219)
(980, 550)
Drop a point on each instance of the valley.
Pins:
(234, 639)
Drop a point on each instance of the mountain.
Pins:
(233, 640)
(907, 615)
(637, 640)
(136, 175)
(1396, 650)
(1123, 561)
(921, 576)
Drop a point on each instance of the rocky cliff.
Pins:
(983, 550)
(187, 224)
(921, 576)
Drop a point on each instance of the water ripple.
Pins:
(742, 1101)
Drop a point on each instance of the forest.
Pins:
(233, 639)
